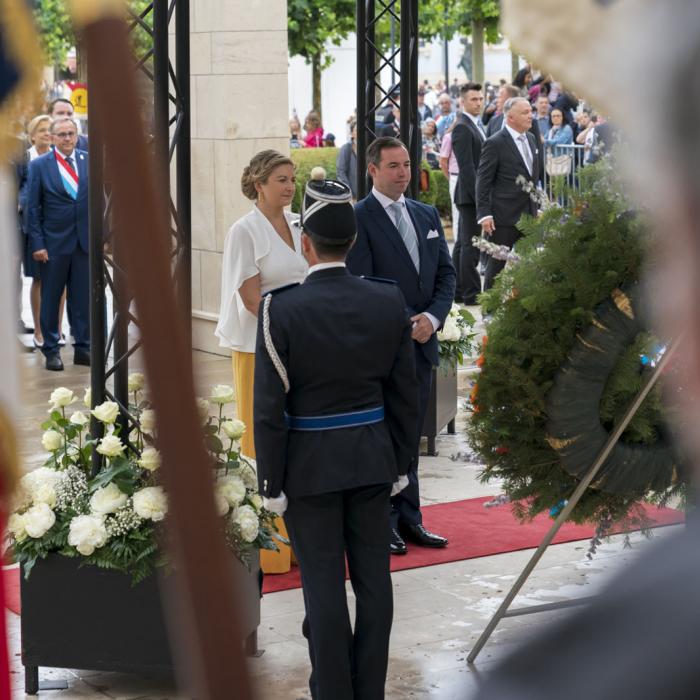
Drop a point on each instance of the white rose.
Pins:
(233, 428)
(134, 436)
(222, 505)
(150, 459)
(38, 520)
(232, 489)
(51, 441)
(257, 501)
(87, 398)
(203, 408)
(79, 418)
(147, 421)
(464, 331)
(135, 382)
(455, 311)
(108, 499)
(106, 412)
(45, 493)
(87, 533)
(61, 397)
(16, 526)
(247, 520)
(249, 476)
(111, 446)
(151, 503)
(222, 394)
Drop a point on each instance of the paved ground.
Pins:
(439, 611)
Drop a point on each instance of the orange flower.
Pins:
(480, 361)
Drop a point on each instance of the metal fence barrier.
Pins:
(561, 165)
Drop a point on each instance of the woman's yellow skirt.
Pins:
(243, 375)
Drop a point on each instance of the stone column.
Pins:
(239, 107)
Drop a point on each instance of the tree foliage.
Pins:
(55, 29)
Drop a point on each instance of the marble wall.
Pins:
(239, 106)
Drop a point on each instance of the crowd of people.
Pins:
(52, 227)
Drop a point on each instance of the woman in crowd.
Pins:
(522, 80)
(450, 169)
(346, 163)
(314, 130)
(431, 143)
(262, 252)
(295, 137)
(560, 132)
(39, 135)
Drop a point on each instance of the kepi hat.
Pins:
(327, 210)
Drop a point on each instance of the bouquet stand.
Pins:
(442, 404)
(92, 618)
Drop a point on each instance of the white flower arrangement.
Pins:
(455, 336)
(111, 517)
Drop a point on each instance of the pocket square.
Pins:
(433, 234)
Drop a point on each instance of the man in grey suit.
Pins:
(500, 199)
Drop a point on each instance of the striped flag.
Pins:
(68, 174)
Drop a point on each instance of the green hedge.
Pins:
(306, 159)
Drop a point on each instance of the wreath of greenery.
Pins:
(527, 404)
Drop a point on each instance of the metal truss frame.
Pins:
(372, 60)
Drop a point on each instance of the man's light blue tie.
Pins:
(526, 152)
(407, 235)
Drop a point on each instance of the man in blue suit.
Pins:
(57, 222)
(402, 240)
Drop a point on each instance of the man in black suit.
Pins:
(468, 135)
(336, 409)
(501, 200)
(402, 240)
(61, 108)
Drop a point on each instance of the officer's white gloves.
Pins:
(399, 485)
(278, 504)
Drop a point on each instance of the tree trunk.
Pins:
(316, 83)
(514, 63)
(478, 51)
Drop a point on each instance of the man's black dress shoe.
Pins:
(397, 546)
(419, 535)
(81, 357)
(54, 363)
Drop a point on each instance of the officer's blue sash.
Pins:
(335, 421)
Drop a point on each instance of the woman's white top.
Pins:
(253, 247)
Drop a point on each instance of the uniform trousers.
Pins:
(243, 375)
(405, 506)
(70, 271)
(503, 235)
(324, 530)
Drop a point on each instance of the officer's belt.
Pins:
(335, 421)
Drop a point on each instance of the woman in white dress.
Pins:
(262, 252)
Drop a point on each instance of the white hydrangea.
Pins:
(40, 483)
(38, 520)
(248, 474)
(151, 503)
(87, 533)
(247, 520)
(108, 499)
(45, 493)
(232, 489)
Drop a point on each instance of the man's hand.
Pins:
(487, 226)
(41, 255)
(277, 505)
(400, 485)
(422, 328)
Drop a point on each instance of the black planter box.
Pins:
(442, 405)
(91, 618)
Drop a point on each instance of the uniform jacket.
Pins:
(346, 345)
(379, 251)
(497, 192)
(56, 221)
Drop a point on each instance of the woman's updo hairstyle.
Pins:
(259, 170)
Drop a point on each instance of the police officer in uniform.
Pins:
(336, 413)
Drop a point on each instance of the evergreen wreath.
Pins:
(528, 404)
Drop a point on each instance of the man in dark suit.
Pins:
(468, 135)
(336, 409)
(402, 240)
(61, 108)
(57, 222)
(501, 200)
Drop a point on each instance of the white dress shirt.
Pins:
(477, 123)
(324, 266)
(386, 203)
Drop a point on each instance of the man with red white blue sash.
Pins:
(57, 221)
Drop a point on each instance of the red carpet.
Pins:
(475, 531)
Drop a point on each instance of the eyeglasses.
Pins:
(65, 134)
